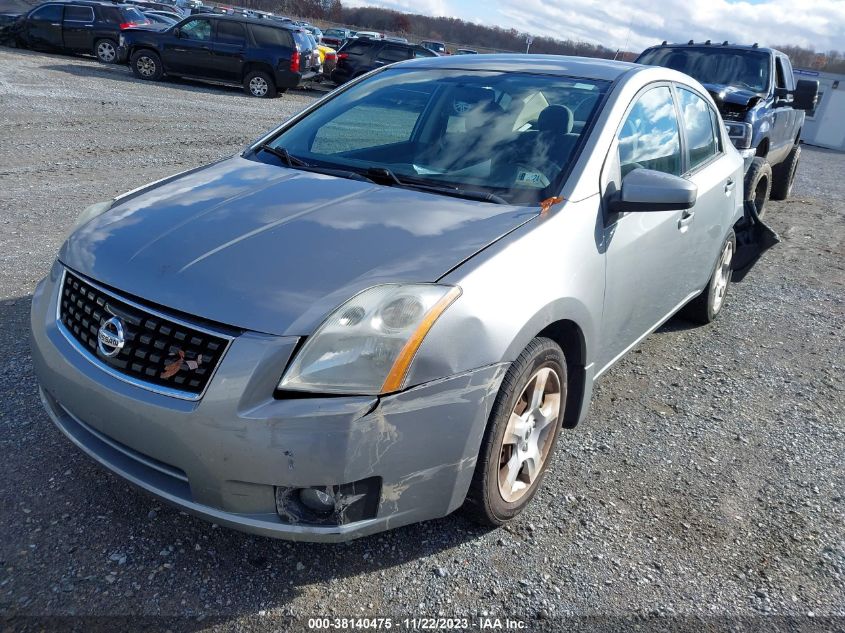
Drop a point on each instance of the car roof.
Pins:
(272, 22)
(718, 45)
(585, 67)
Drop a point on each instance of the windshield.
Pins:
(510, 134)
(733, 67)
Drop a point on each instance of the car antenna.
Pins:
(725, 43)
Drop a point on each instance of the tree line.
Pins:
(486, 38)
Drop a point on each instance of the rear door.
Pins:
(718, 181)
(229, 50)
(191, 52)
(44, 27)
(78, 26)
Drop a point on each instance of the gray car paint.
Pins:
(273, 251)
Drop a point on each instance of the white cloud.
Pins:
(819, 24)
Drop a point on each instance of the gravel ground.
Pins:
(707, 483)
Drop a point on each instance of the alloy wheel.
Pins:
(106, 52)
(528, 436)
(146, 66)
(258, 86)
(723, 275)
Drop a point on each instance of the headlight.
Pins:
(740, 134)
(368, 343)
(92, 212)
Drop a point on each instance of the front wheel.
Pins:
(106, 51)
(519, 441)
(260, 84)
(758, 184)
(706, 306)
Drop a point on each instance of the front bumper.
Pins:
(224, 456)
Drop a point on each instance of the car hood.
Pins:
(274, 250)
(731, 94)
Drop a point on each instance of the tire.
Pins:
(783, 175)
(758, 184)
(494, 499)
(260, 84)
(106, 51)
(707, 306)
(146, 65)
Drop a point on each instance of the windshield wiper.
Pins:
(281, 152)
(387, 177)
(297, 163)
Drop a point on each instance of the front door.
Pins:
(190, 53)
(44, 28)
(79, 28)
(645, 251)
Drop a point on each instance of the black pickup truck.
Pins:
(760, 101)
(763, 107)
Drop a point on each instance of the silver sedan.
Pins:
(392, 305)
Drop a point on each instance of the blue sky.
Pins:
(816, 23)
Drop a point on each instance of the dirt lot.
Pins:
(707, 485)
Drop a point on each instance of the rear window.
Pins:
(302, 41)
(131, 14)
(267, 36)
(356, 48)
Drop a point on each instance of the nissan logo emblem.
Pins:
(110, 338)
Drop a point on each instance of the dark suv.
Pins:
(360, 56)
(75, 26)
(265, 56)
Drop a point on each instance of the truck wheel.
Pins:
(106, 51)
(521, 434)
(706, 306)
(783, 175)
(758, 184)
(260, 84)
(146, 65)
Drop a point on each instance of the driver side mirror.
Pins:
(650, 190)
(177, 32)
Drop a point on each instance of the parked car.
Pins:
(316, 58)
(264, 56)
(362, 55)
(466, 51)
(317, 33)
(762, 104)
(148, 5)
(390, 306)
(75, 26)
(437, 47)
(162, 17)
(373, 35)
(336, 37)
(393, 38)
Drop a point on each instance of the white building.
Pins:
(825, 126)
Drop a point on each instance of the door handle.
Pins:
(686, 218)
(729, 186)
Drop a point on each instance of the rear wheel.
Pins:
(146, 65)
(521, 434)
(783, 175)
(758, 184)
(260, 84)
(706, 306)
(106, 51)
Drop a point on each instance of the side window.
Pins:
(267, 36)
(230, 33)
(780, 76)
(701, 134)
(50, 13)
(788, 76)
(79, 14)
(422, 52)
(110, 14)
(390, 54)
(649, 136)
(196, 30)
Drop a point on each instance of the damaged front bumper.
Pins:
(241, 458)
